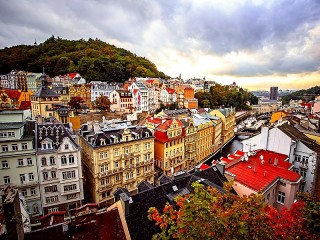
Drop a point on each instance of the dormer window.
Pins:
(147, 134)
(102, 141)
(66, 146)
(127, 138)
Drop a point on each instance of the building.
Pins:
(190, 143)
(18, 157)
(59, 166)
(34, 81)
(136, 206)
(99, 88)
(115, 154)
(121, 101)
(44, 99)
(227, 116)
(169, 145)
(204, 129)
(303, 152)
(273, 93)
(83, 91)
(266, 173)
(140, 95)
(14, 219)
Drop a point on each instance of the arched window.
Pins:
(71, 159)
(63, 160)
(43, 161)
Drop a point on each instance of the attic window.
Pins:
(102, 141)
(175, 188)
(147, 134)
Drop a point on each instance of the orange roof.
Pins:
(135, 91)
(160, 133)
(257, 175)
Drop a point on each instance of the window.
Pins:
(20, 162)
(52, 160)
(281, 197)
(14, 147)
(117, 177)
(54, 209)
(31, 177)
(52, 199)
(6, 179)
(29, 161)
(11, 134)
(304, 159)
(24, 192)
(297, 158)
(5, 164)
(71, 196)
(101, 155)
(33, 191)
(71, 159)
(116, 164)
(70, 187)
(68, 175)
(3, 135)
(63, 160)
(137, 159)
(51, 189)
(53, 174)
(116, 152)
(22, 178)
(4, 148)
(137, 148)
(102, 181)
(303, 172)
(24, 146)
(43, 161)
(66, 146)
(35, 208)
(45, 175)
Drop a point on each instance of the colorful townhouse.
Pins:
(228, 119)
(18, 157)
(83, 91)
(59, 166)
(190, 143)
(99, 88)
(169, 150)
(115, 154)
(121, 101)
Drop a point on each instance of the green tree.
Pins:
(102, 103)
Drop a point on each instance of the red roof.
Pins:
(154, 120)
(224, 159)
(231, 156)
(150, 81)
(25, 105)
(204, 166)
(72, 75)
(13, 94)
(239, 153)
(170, 90)
(308, 105)
(264, 174)
(135, 91)
(52, 214)
(161, 131)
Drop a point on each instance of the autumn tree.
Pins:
(102, 103)
(210, 214)
(75, 102)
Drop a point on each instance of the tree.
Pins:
(75, 102)
(210, 214)
(102, 103)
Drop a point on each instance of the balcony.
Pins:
(105, 187)
(131, 180)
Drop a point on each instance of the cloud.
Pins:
(215, 38)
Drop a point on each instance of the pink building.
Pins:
(266, 173)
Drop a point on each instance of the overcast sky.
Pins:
(257, 44)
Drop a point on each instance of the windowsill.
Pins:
(280, 203)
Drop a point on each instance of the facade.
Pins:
(190, 143)
(204, 128)
(83, 91)
(121, 100)
(43, 100)
(267, 173)
(99, 88)
(34, 81)
(303, 152)
(18, 157)
(273, 93)
(59, 167)
(227, 116)
(169, 145)
(115, 155)
(140, 95)
(63, 93)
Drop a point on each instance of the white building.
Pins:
(303, 152)
(167, 95)
(18, 158)
(59, 167)
(99, 88)
(140, 95)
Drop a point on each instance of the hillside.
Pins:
(93, 59)
(299, 94)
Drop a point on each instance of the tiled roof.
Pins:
(204, 166)
(170, 90)
(13, 125)
(258, 176)
(160, 133)
(45, 92)
(13, 94)
(139, 225)
(25, 105)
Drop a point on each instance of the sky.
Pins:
(256, 44)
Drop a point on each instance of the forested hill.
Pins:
(299, 94)
(93, 59)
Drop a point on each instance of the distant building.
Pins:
(273, 93)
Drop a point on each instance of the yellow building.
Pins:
(83, 91)
(277, 116)
(228, 119)
(190, 143)
(204, 128)
(43, 101)
(169, 145)
(115, 155)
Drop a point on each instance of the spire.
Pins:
(35, 42)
